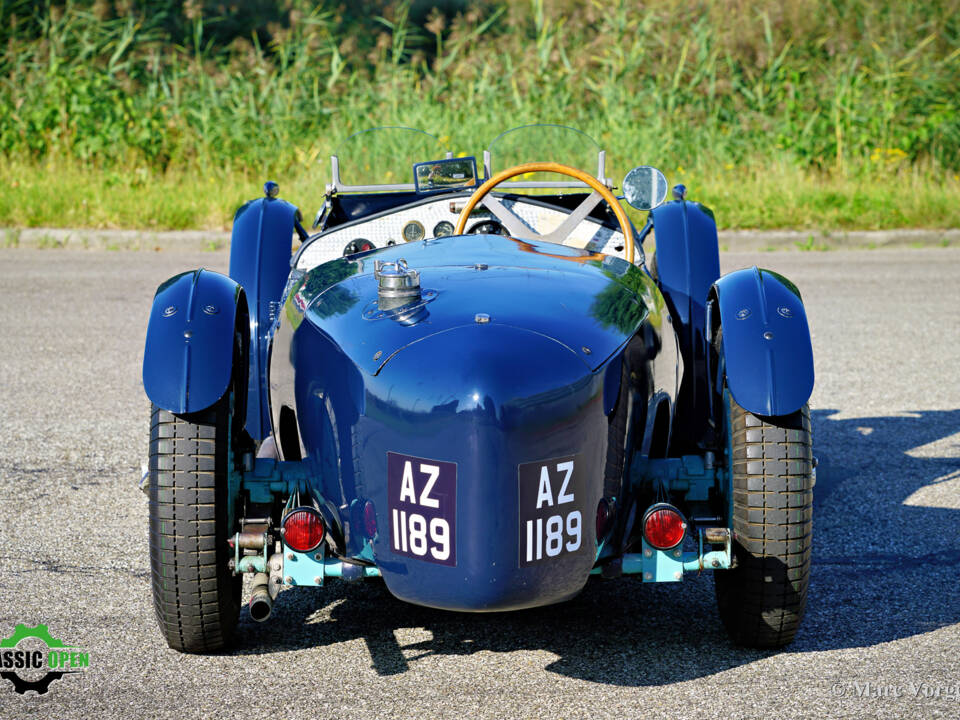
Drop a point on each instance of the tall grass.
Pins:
(847, 94)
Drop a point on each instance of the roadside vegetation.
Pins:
(168, 114)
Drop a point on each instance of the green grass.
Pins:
(65, 195)
(808, 114)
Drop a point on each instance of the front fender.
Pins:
(260, 248)
(188, 358)
(766, 341)
(688, 263)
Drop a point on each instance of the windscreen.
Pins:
(385, 155)
(546, 143)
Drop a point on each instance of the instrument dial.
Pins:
(487, 227)
(413, 231)
(358, 245)
(443, 229)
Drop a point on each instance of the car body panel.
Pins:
(458, 291)
(486, 415)
(488, 397)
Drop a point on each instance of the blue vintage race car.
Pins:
(470, 383)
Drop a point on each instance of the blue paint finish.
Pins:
(688, 263)
(337, 569)
(533, 384)
(188, 358)
(482, 410)
(306, 569)
(663, 565)
(766, 341)
(688, 256)
(260, 249)
(611, 383)
(552, 285)
(660, 565)
(303, 568)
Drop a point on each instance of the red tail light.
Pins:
(604, 517)
(369, 519)
(303, 530)
(663, 526)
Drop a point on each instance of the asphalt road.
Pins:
(882, 633)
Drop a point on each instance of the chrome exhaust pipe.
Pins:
(261, 604)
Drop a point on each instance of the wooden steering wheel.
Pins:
(519, 229)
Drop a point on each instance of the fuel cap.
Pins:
(397, 284)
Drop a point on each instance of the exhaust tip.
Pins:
(261, 604)
(260, 608)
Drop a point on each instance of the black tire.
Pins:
(762, 600)
(195, 596)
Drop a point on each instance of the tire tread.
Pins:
(763, 599)
(195, 598)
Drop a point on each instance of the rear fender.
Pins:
(188, 358)
(767, 351)
(260, 250)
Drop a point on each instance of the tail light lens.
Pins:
(604, 518)
(369, 519)
(303, 530)
(663, 526)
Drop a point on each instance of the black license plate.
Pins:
(422, 501)
(551, 493)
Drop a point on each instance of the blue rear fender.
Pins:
(189, 353)
(767, 351)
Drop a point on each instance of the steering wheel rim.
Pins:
(481, 192)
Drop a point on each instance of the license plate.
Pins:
(422, 501)
(551, 494)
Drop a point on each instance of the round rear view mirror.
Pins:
(645, 187)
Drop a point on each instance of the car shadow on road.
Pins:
(882, 570)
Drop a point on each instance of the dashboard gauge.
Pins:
(358, 245)
(443, 229)
(413, 231)
(487, 227)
